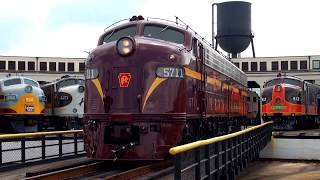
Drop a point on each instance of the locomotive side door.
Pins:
(201, 85)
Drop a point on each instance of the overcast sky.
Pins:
(67, 28)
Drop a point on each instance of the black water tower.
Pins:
(234, 27)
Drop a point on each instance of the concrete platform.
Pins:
(298, 149)
(269, 170)
(21, 172)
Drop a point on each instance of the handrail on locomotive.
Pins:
(182, 24)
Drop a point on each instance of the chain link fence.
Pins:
(17, 149)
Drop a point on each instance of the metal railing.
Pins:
(221, 157)
(17, 149)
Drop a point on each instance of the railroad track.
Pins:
(103, 170)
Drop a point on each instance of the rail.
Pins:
(17, 149)
(221, 157)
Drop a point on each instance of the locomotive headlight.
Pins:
(81, 89)
(43, 98)
(125, 46)
(10, 97)
(28, 89)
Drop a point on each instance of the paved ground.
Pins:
(269, 170)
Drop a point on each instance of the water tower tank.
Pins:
(234, 26)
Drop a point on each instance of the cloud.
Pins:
(67, 41)
(57, 28)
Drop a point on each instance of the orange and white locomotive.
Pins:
(291, 103)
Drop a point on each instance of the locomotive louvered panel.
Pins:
(93, 104)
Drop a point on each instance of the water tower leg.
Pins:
(253, 53)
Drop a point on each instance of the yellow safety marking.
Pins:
(96, 82)
(197, 75)
(243, 93)
(235, 90)
(224, 86)
(187, 147)
(193, 74)
(153, 86)
(27, 99)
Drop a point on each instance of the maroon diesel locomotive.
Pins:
(154, 84)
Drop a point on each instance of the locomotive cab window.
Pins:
(272, 82)
(67, 82)
(81, 82)
(292, 82)
(31, 82)
(12, 82)
(117, 34)
(165, 33)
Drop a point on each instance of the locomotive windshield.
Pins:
(31, 82)
(81, 82)
(118, 33)
(12, 82)
(292, 82)
(67, 82)
(283, 80)
(272, 82)
(164, 33)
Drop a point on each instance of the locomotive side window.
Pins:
(31, 82)
(164, 33)
(116, 34)
(12, 82)
(195, 47)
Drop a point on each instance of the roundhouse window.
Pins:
(11, 65)
(263, 66)
(81, 67)
(275, 66)
(21, 65)
(62, 66)
(52, 66)
(43, 66)
(245, 66)
(31, 66)
(165, 33)
(293, 65)
(70, 66)
(303, 65)
(284, 65)
(254, 66)
(2, 65)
